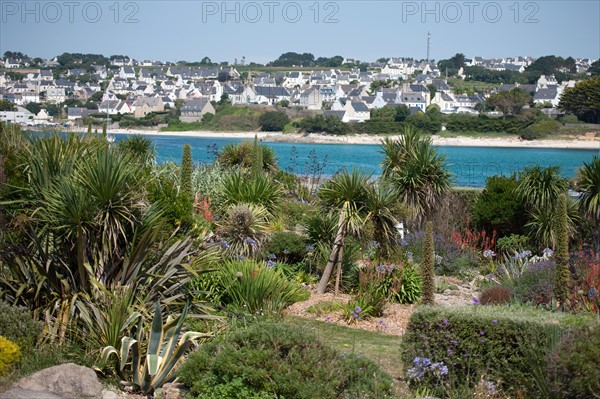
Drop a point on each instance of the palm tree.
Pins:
(542, 225)
(588, 183)
(346, 193)
(415, 168)
(540, 187)
(382, 200)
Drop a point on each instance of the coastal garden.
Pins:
(237, 279)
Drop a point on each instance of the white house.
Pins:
(195, 109)
(311, 99)
(127, 73)
(55, 94)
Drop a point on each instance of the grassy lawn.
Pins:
(460, 85)
(380, 348)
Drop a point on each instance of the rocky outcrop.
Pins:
(66, 381)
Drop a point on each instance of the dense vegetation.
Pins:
(111, 260)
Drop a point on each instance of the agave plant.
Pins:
(154, 353)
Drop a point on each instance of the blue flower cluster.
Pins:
(250, 241)
(592, 292)
(355, 314)
(522, 255)
(547, 252)
(271, 256)
(423, 366)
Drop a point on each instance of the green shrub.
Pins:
(511, 243)
(270, 360)
(255, 288)
(569, 119)
(9, 353)
(539, 129)
(17, 325)
(536, 284)
(573, 370)
(325, 307)
(499, 342)
(287, 246)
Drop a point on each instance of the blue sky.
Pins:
(262, 30)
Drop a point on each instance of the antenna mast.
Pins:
(428, 44)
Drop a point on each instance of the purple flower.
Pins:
(454, 342)
(592, 292)
(357, 309)
(475, 301)
(445, 322)
(270, 263)
(481, 333)
(225, 244)
(494, 321)
(547, 252)
(404, 243)
(250, 241)
(310, 248)
(272, 256)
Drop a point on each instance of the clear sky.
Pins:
(262, 30)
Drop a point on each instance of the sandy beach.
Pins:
(589, 141)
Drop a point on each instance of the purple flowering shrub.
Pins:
(536, 284)
(473, 341)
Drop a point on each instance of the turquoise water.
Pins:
(470, 166)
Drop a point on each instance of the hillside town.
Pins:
(140, 88)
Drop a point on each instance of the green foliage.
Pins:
(287, 246)
(414, 167)
(257, 161)
(278, 360)
(541, 128)
(9, 354)
(176, 207)
(242, 154)
(17, 325)
(259, 189)
(243, 229)
(427, 266)
(583, 100)
(563, 274)
(510, 102)
(138, 148)
(323, 124)
(484, 124)
(539, 187)
(273, 121)
(155, 351)
(256, 289)
(512, 243)
(535, 285)
(186, 172)
(588, 183)
(499, 342)
(573, 370)
(325, 307)
(497, 208)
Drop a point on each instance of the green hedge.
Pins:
(269, 360)
(500, 343)
(465, 123)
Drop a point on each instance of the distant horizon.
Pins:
(142, 59)
(261, 31)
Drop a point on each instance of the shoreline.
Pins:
(587, 143)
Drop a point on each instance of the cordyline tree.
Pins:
(346, 193)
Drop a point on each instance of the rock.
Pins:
(172, 391)
(19, 393)
(106, 394)
(68, 381)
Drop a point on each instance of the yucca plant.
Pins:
(244, 229)
(243, 154)
(258, 189)
(154, 353)
(256, 288)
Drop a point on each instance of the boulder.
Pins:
(19, 393)
(68, 381)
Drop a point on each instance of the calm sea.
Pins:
(470, 166)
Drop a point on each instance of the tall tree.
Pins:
(346, 193)
(510, 102)
(415, 168)
(583, 100)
